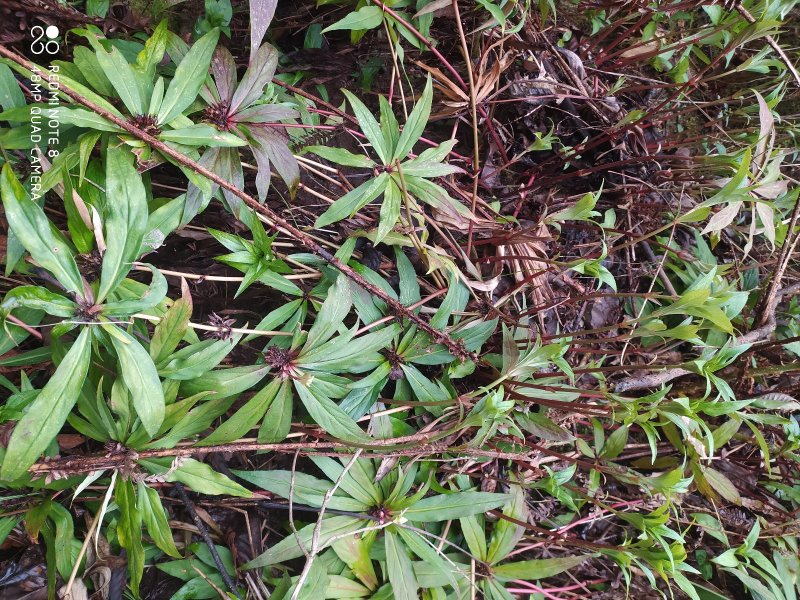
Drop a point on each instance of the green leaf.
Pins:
(171, 329)
(89, 67)
(189, 77)
(369, 126)
(531, 570)
(409, 285)
(353, 201)
(121, 75)
(126, 219)
(246, 417)
(155, 519)
(36, 234)
(445, 507)
(507, 533)
(153, 52)
(366, 17)
(278, 420)
(390, 128)
(432, 557)
(224, 383)
(541, 426)
(199, 358)
(292, 546)
(64, 538)
(727, 559)
(722, 485)
(80, 117)
(349, 355)
(354, 551)
(390, 210)
(195, 421)
(333, 311)
(201, 135)
(153, 295)
(199, 587)
(11, 95)
(358, 482)
(580, 211)
(429, 169)
(7, 525)
(204, 480)
(615, 443)
(329, 416)
(37, 297)
(474, 532)
(416, 123)
(47, 414)
(401, 574)
(343, 587)
(141, 378)
(340, 156)
(129, 531)
(315, 584)
(307, 489)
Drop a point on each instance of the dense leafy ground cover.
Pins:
(433, 299)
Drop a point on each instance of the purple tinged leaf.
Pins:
(270, 146)
(195, 201)
(230, 168)
(265, 113)
(223, 69)
(258, 75)
(261, 13)
(264, 173)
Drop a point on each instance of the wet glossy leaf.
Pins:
(155, 519)
(202, 479)
(398, 564)
(36, 234)
(366, 17)
(126, 219)
(445, 507)
(531, 570)
(129, 531)
(141, 378)
(189, 76)
(329, 416)
(291, 547)
(416, 123)
(47, 414)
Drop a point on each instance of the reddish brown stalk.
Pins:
(396, 307)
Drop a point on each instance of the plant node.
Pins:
(279, 359)
(395, 360)
(223, 326)
(146, 123)
(217, 114)
(381, 514)
(87, 310)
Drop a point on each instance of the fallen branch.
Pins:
(277, 222)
